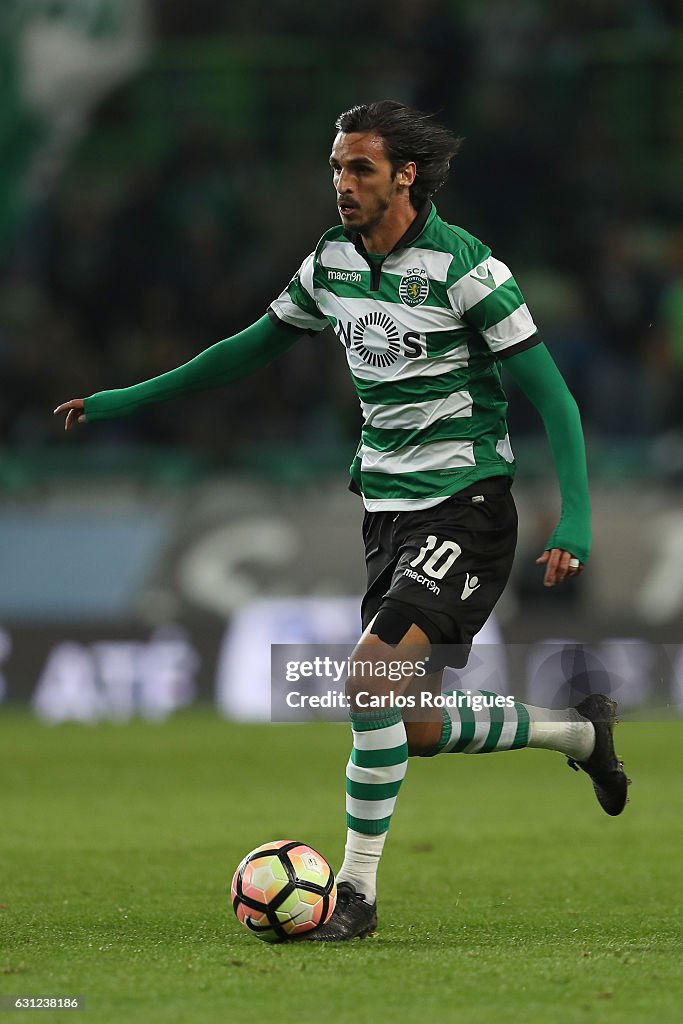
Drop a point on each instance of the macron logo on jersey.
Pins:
(352, 276)
(484, 276)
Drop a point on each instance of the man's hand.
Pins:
(74, 412)
(557, 563)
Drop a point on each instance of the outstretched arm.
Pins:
(228, 360)
(543, 384)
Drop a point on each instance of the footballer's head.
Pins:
(386, 153)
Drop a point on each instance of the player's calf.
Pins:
(382, 667)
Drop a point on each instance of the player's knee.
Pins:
(367, 678)
(372, 673)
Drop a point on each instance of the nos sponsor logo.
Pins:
(376, 339)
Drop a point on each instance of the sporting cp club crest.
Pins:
(414, 288)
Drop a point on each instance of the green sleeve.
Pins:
(543, 384)
(228, 360)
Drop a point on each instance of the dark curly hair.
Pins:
(409, 135)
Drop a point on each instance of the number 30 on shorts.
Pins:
(447, 549)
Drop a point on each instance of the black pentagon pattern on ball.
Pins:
(294, 882)
(264, 908)
(301, 883)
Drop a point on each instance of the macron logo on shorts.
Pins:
(419, 578)
(471, 584)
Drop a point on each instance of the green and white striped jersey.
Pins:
(424, 329)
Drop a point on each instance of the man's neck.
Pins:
(387, 233)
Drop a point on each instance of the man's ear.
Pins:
(406, 175)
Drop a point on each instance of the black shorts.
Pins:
(444, 567)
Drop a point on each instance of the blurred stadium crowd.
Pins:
(177, 221)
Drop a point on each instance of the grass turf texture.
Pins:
(506, 895)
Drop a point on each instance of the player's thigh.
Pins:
(381, 557)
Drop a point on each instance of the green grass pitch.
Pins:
(506, 895)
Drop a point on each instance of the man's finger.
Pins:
(73, 403)
(559, 566)
(75, 412)
(562, 566)
(73, 417)
(551, 569)
(551, 565)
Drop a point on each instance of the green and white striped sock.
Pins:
(374, 774)
(477, 726)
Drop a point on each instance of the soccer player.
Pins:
(426, 315)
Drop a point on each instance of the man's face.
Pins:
(363, 179)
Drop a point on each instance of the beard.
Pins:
(369, 219)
